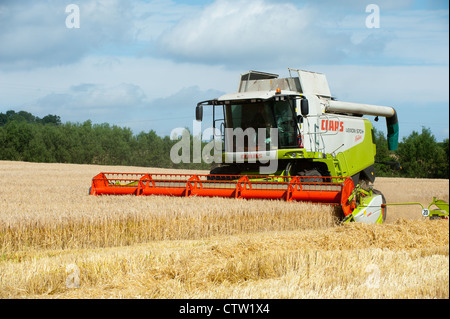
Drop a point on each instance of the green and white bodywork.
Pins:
(300, 130)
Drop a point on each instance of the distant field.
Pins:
(56, 241)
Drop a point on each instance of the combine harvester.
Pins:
(310, 147)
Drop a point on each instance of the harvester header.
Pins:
(329, 191)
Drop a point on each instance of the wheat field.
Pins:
(56, 241)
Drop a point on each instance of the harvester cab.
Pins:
(281, 138)
(315, 133)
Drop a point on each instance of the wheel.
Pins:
(313, 173)
(308, 169)
(383, 209)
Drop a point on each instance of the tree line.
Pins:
(419, 155)
(25, 137)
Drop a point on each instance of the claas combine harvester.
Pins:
(282, 138)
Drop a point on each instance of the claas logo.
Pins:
(328, 125)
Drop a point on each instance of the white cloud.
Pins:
(175, 111)
(252, 33)
(388, 84)
(262, 34)
(118, 90)
(90, 101)
(154, 17)
(34, 34)
(405, 36)
(234, 33)
(158, 78)
(420, 94)
(420, 37)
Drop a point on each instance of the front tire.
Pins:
(312, 175)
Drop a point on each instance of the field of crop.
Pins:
(56, 241)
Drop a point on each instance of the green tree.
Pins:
(384, 156)
(16, 138)
(51, 119)
(445, 163)
(421, 156)
(148, 150)
(36, 150)
(3, 119)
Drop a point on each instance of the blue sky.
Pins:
(145, 64)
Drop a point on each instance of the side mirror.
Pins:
(199, 113)
(304, 107)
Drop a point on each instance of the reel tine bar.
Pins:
(328, 190)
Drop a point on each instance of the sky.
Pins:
(145, 64)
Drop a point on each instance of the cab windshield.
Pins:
(259, 118)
